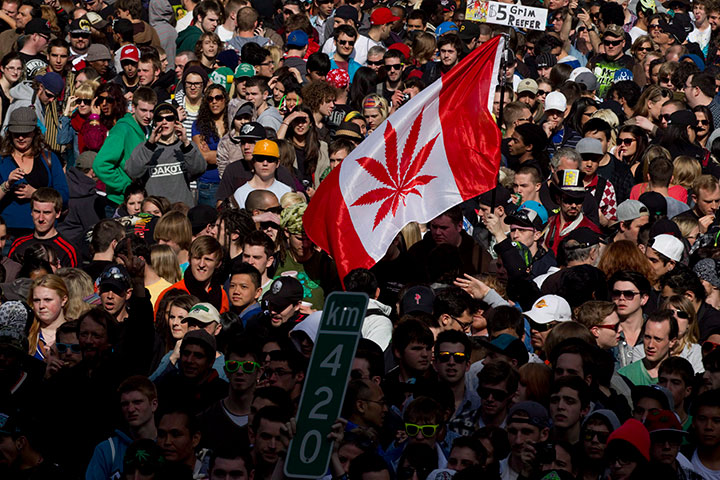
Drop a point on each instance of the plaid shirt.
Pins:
(464, 421)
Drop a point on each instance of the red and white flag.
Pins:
(436, 151)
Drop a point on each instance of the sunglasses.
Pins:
(614, 328)
(276, 210)
(166, 118)
(541, 93)
(654, 25)
(708, 347)
(626, 141)
(601, 436)
(497, 394)
(681, 314)
(626, 294)
(645, 49)
(265, 159)
(612, 43)
(49, 94)
(376, 63)
(413, 429)
(248, 366)
(287, 11)
(405, 473)
(541, 327)
(85, 101)
(80, 35)
(664, 79)
(215, 98)
(458, 357)
(63, 347)
(346, 42)
(104, 99)
(704, 122)
(396, 66)
(665, 116)
(567, 200)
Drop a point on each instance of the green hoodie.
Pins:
(187, 39)
(109, 164)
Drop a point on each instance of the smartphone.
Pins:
(544, 453)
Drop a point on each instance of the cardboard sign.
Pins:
(511, 15)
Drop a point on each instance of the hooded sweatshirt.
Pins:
(109, 165)
(86, 206)
(23, 97)
(169, 169)
(161, 15)
(107, 459)
(187, 39)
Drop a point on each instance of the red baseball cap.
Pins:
(382, 16)
(402, 48)
(130, 52)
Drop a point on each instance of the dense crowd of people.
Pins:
(161, 297)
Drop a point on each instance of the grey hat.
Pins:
(13, 320)
(98, 51)
(22, 120)
(589, 146)
(706, 269)
(630, 209)
(530, 412)
(608, 415)
(202, 338)
(86, 159)
(588, 80)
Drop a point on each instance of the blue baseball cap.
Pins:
(444, 28)
(297, 38)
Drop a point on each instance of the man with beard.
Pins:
(570, 194)
(79, 39)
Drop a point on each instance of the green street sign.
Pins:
(324, 390)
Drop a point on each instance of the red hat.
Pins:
(402, 48)
(338, 78)
(382, 16)
(130, 52)
(635, 433)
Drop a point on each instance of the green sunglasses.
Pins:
(247, 366)
(427, 430)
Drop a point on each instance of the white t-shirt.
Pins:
(278, 188)
(701, 37)
(362, 45)
(636, 33)
(224, 33)
(184, 22)
(702, 470)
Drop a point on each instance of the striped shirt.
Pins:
(64, 251)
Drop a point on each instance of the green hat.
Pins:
(244, 70)
(291, 218)
(222, 76)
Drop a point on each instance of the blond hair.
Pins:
(165, 263)
(176, 227)
(80, 286)
(685, 171)
(87, 89)
(53, 282)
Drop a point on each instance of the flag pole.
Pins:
(501, 83)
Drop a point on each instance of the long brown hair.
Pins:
(624, 255)
(36, 147)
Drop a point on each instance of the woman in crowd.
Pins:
(632, 142)
(155, 206)
(165, 270)
(112, 103)
(649, 106)
(375, 110)
(25, 166)
(78, 111)
(49, 299)
(704, 125)
(206, 49)
(364, 82)
(175, 330)
(174, 229)
(581, 111)
(80, 287)
(688, 331)
(11, 69)
(311, 153)
(207, 130)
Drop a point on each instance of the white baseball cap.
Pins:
(555, 101)
(549, 308)
(671, 247)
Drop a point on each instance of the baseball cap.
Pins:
(52, 82)
(508, 345)
(630, 210)
(201, 216)
(39, 26)
(584, 236)
(502, 197)
(114, 276)
(283, 292)
(80, 25)
(655, 203)
(527, 85)
(588, 80)
(549, 308)
(248, 109)
(202, 338)
(96, 20)
(253, 131)
(402, 48)
(203, 312)
(297, 38)
(229, 59)
(222, 76)
(682, 118)
(382, 16)
(555, 101)
(244, 70)
(589, 146)
(85, 159)
(130, 52)
(527, 217)
(658, 421)
(468, 30)
(529, 412)
(614, 31)
(669, 246)
(266, 148)
(346, 12)
(22, 120)
(656, 392)
(419, 298)
(97, 52)
(350, 131)
(444, 28)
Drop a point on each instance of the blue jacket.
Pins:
(352, 67)
(15, 211)
(107, 459)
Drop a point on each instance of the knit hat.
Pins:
(13, 320)
(608, 415)
(85, 159)
(707, 270)
(198, 70)
(228, 58)
(545, 60)
(634, 433)
(291, 218)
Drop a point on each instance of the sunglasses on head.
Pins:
(167, 118)
(458, 357)
(497, 394)
(413, 429)
(215, 98)
(248, 366)
(612, 43)
(64, 347)
(626, 294)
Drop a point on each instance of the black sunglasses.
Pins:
(215, 98)
(626, 141)
(459, 357)
(376, 63)
(346, 42)
(626, 294)
(167, 118)
(397, 66)
(612, 43)
(499, 395)
(85, 101)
